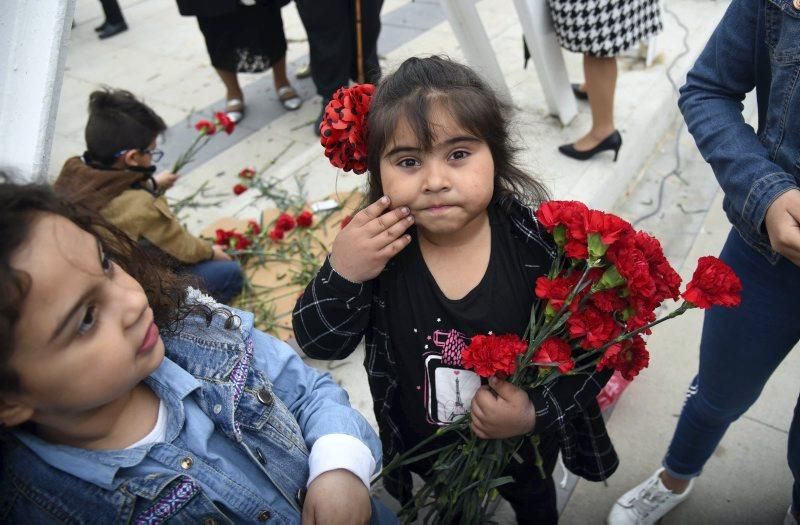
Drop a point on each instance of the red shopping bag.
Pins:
(611, 392)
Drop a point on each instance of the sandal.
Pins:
(289, 98)
(303, 72)
(234, 108)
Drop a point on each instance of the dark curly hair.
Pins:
(19, 207)
(412, 91)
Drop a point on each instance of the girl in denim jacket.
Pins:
(125, 398)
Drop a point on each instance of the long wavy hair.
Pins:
(419, 85)
(19, 207)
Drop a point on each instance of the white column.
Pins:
(534, 16)
(33, 41)
(472, 37)
(537, 25)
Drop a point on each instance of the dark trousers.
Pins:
(112, 11)
(739, 350)
(532, 497)
(222, 279)
(330, 25)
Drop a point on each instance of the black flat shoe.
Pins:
(578, 92)
(611, 142)
(101, 27)
(111, 30)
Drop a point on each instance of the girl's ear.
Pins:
(13, 411)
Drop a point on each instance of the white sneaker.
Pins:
(646, 503)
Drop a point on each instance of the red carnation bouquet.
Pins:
(595, 304)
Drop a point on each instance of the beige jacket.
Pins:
(143, 216)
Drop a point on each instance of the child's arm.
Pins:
(331, 316)
(337, 435)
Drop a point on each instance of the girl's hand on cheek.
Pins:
(375, 235)
(337, 497)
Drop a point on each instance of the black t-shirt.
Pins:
(427, 330)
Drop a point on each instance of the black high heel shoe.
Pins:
(578, 92)
(611, 142)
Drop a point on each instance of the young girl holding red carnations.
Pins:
(448, 249)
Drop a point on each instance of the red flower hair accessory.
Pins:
(343, 130)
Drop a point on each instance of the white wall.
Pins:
(33, 40)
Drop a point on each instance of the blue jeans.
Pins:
(381, 515)
(739, 350)
(222, 279)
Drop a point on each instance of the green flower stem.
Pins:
(683, 308)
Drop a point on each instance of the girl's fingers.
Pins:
(395, 231)
(477, 413)
(371, 212)
(479, 431)
(395, 247)
(379, 225)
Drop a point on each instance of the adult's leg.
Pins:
(601, 82)
(739, 350)
(112, 11)
(794, 458)
(371, 29)
(329, 27)
(222, 279)
(232, 88)
(279, 73)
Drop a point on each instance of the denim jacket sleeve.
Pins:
(332, 314)
(319, 405)
(711, 103)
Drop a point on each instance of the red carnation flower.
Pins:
(628, 357)
(566, 220)
(345, 222)
(223, 236)
(276, 234)
(556, 290)
(285, 222)
(608, 301)
(632, 265)
(247, 173)
(593, 326)
(238, 189)
(491, 355)
(225, 122)
(603, 230)
(343, 129)
(206, 127)
(555, 350)
(713, 283)
(305, 219)
(665, 278)
(253, 227)
(242, 242)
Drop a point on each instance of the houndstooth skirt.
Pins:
(604, 28)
